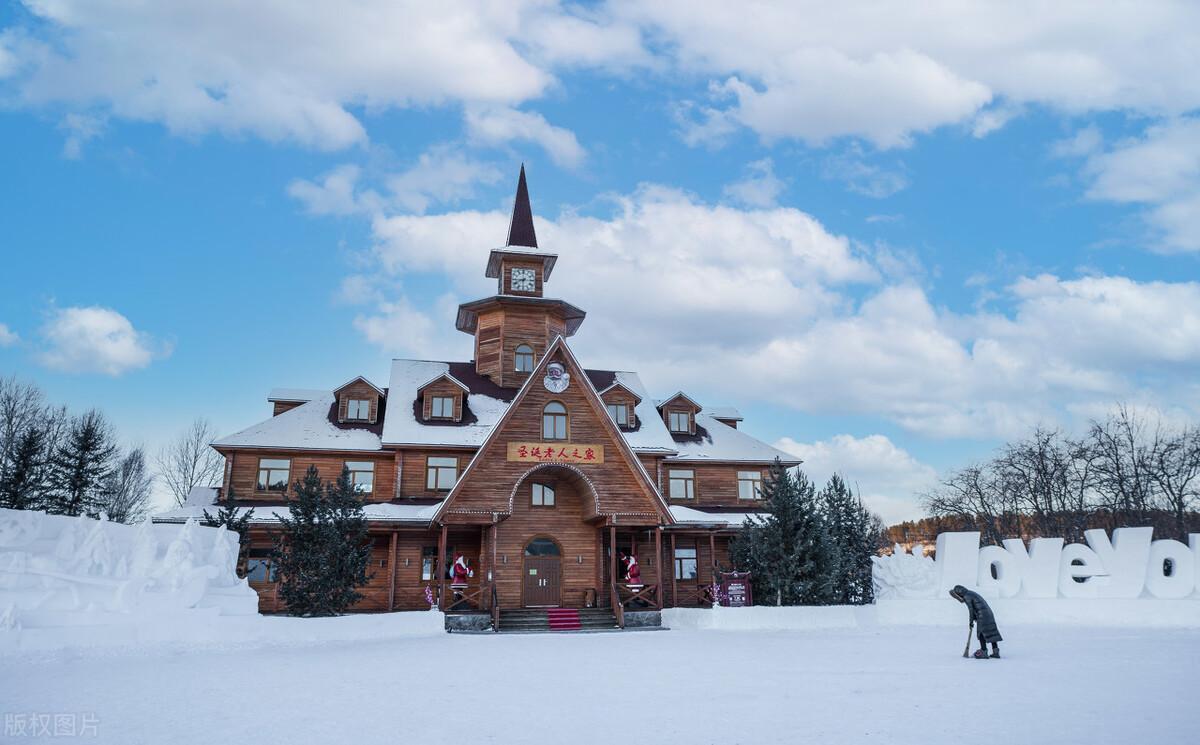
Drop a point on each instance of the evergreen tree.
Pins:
(323, 549)
(851, 530)
(227, 515)
(79, 466)
(787, 550)
(22, 483)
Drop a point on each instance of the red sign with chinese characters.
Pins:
(550, 452)
(735, 589)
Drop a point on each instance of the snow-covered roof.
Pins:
(302, 395)
(201, 496)
(715, 441)
(401, 425)
(651, 433)
(690, 516)
(724, 412)
(306, 427)
(679, 394)
(375, 511)
(354, 380)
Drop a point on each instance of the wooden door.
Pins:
(542, 581)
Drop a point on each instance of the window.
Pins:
(685, 563)
(358, 409)
(543, 495)
(441, 473)
(749, 485)
(259, 567)
(524, 358)
(619, 414)
(680, 421)
(554, 421)
(362, 475)
(541, 547)
(428, 557)
(681, 484)
(273, 474)
(443, 407)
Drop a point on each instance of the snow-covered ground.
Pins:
(885, 684)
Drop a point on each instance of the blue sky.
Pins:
(893, 240)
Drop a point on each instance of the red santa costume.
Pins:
(633, 573)
(460, 572)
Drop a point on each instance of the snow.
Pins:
(687, 515)
(306, 427)
(295, 394)
(375, 512)
(726, 443)
(201, 496)
(400, 427)
(823, 685)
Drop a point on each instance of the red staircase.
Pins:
(563, 619)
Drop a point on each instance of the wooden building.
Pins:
(540, 472)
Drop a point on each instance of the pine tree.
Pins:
(227, 515)
(79, 466)
(22, 484)
(323, 549)
(787, 550)
(850, 527)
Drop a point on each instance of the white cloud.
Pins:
(8, 337)
(80, 128)
(497, 125)
(95, 339)
(399, 328)
(1160, 169)
(887, 477)
(335, 194)
(760, 188)
(1083, 143)
(862, 177)
(678, 289)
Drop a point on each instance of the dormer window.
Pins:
(523, 359)
(443, 407)
(680, 421)
(358, 409)
(619, 414)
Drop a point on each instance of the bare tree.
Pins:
(1124, 484)
(189, 462)
(1175, 469)
(126, 496)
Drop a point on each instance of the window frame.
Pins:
(688, 481)
(686, 417)
(755, 479)
(434, 472)
(287, 475)
(565, 416)
(680, 560)
(362, 404)
(433, 406)
(527, 356)
(543, 488)
(624, 414)
(353, 471)
(428, 561)
(263, 558)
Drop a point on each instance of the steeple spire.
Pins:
(520, 227)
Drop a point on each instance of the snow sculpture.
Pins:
(1124, 559)
(1181, 580)
(73, 571)
(903, 574)
(957, 560)
(1000, 571)
(1080, 572)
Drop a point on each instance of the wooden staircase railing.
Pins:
(617, 606)
(466, 598)
(495, 608)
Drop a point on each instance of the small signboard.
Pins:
(735, 589)
(549, 452)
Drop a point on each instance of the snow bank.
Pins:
(93, 577)
(1079, 612)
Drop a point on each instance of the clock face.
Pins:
(523, 280)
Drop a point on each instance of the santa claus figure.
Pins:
(633, 572)
(460, 571)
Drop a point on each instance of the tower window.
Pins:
(554, 421)
(523, 359)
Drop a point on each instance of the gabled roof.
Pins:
(378, 390)
(684, 396)
(520, 226)
(497, 255)
(560, 345)
(294, 395)
(724, 412)
(309, 426)
(622, 386)
(716, 442)
(444, 376)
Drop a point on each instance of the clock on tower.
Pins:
(522, 280)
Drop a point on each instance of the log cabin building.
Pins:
(541, 472)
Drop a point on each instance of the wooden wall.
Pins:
(281, 406)
(244, 471)
(715, 484)
(413, 476)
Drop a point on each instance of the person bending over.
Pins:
(982, 619)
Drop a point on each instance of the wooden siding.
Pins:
(282, 406)
(358, 390)
(243, 469)
(622, 397)
(500, 331)
(508, 264)
(413, 472)
(715, 484)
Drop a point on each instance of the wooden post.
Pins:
(712, 556)
(658, 553)
(441, 568)
(674, 579)
(392, 572)
(612, 562)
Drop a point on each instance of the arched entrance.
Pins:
(542, 573)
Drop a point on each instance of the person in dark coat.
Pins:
(982, 619)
